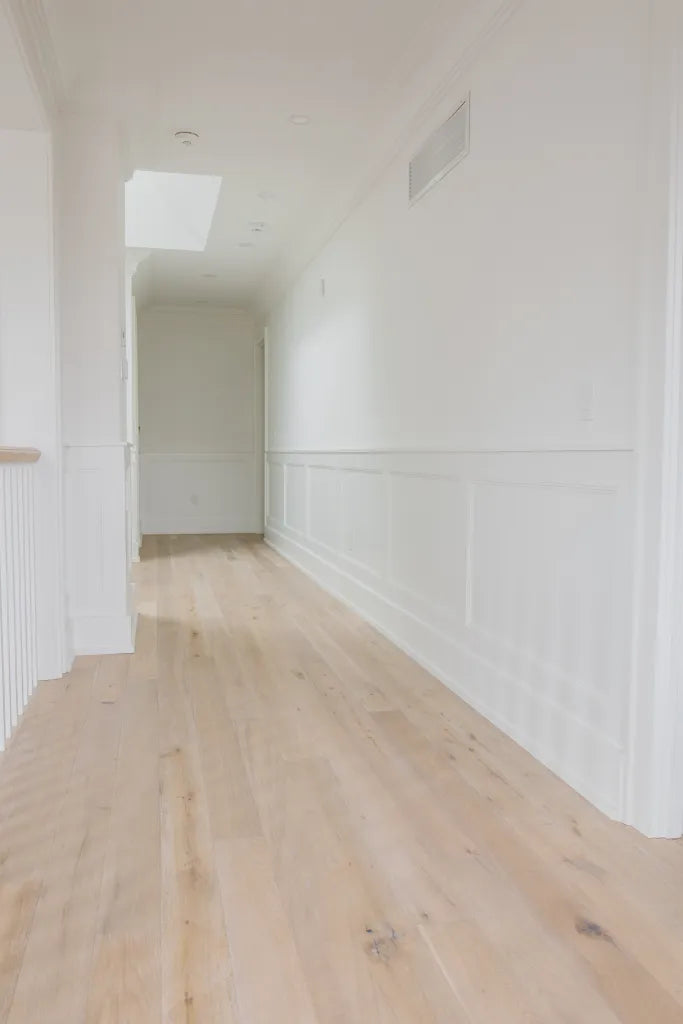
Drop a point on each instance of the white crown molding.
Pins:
(210, 308)
(462, 44)
(134, 257)
(29, 24)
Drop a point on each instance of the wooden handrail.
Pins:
(19, 455)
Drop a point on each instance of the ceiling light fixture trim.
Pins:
(186, 138)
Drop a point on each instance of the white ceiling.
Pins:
(234, 71)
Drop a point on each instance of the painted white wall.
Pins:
(452, 423)
(200, 469)
(91, 264)
(91, 253)
(29, 364)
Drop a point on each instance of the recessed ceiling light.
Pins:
(245, 245)
(210, 276)
(300, 119)
(257, 226)
(187, 138)
(266, 196)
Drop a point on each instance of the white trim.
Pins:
(199, 456)
(95, 444)
(654, 783)
(266, 421)
(104, 634)
(188, 526)
(212, 307)
(396, 623)
(426, 580)
(29, 24)
(561, 449)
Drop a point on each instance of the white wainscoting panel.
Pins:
(363, 513)
(505, 574)
(201, 493)
(100, 600)
(18, 613)
(295, 498)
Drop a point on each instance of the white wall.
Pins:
(451, 425)
(200, 469)
(29, 364)
(91, 179)
(91, 263)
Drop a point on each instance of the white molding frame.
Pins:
(436, 627)
(654, 783)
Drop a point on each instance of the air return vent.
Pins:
(441, 152)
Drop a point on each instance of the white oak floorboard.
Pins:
(270, 813)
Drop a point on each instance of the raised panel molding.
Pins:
(428, 536)
(275, 480)
(324, 506)
(296, 498)
(363, 514)
(507, 575)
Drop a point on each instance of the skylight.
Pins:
(170, 211)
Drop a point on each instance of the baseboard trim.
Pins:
(104, 634)
(180, 527)
(414, 636)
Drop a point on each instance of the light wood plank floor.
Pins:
(269, 815)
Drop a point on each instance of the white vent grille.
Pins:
(441, 152)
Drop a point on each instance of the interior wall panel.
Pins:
(504, 574)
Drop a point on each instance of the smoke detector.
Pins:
(187, 138)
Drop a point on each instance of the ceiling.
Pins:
(234, 71)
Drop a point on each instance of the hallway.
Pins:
(268, 813)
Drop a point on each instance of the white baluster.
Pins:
(4, 612)
(18, 625)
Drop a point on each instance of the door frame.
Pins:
(653, 784)
(260, 414)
